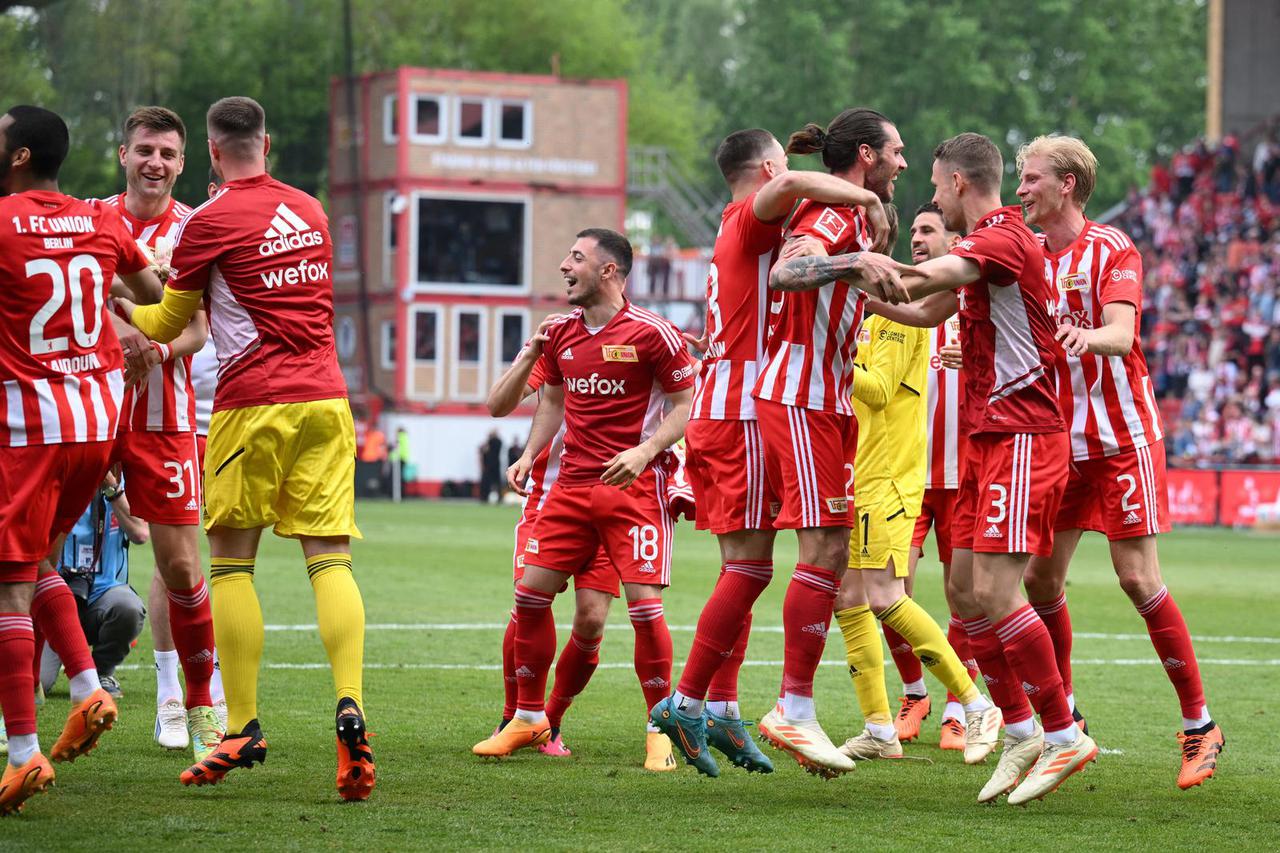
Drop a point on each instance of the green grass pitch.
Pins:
(437, 587)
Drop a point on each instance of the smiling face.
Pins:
(929, 238)
(582, 271)
(1042, 193)
(888, 164)
(152, 162)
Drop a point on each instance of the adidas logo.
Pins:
(1029, 689)
(203, 656)
(903, 648)
(1132, 518)
(1173, 663)
(287, 231)
(993, 532)
(987, 679)
(818, 629)
(647, 568)
(567, 355)
(524, 672)
(656, 681)
(929, 662)
(192, 505)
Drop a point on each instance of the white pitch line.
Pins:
(762, 629)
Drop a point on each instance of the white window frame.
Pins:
(486, 110)
(413, 363)
(442, 101)
(390, 133)
(500, 361)
(455, 359)
(462, 287)
(386, 349)
(388, 233)
(526, 141)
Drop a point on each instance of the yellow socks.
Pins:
(340, 615)
(930, 645)
(237, 631)
(865, 654)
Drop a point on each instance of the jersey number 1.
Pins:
(64, 283)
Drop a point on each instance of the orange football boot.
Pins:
(952, 735)
(243, 750)
(1199, 756)
(914, 711)
(356, 774)
(516, 734)
(85, 724)
(20, 783)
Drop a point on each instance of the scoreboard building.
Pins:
(471, 187)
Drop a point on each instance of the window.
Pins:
(468, 337)
(471, 243)
(515, 124)
(428, 118)
(390, 234)
(390, 119)
(426, 335)
(472, 122)
(388, 350)
(513, 329)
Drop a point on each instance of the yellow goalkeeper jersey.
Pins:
(888, 398)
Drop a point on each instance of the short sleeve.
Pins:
(752, 233)
(674, 368)
(837, 228)
(997, 251)
(194, 254)
(1122, 279)
(551, 374)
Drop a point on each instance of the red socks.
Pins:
(958, 638)
(17, 692)
(54, 609)
(720, 627)
(1057, 621)
(509, 668)
(1006, 690)
(724, 685)
(806, 615)
(191, 621)
(653, 650)
(1029, 649)
(535, 646)
(1172, 642)
(904, 659)
(573, 670)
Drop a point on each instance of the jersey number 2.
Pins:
(64, 282)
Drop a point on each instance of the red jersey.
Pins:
(1106, 400)
(261, 251)
(166, 402)
(1006, 330)
(737, 297)
(814, 333)
(942, 414)
(615, 380)
(60, 360)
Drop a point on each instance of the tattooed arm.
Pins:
(876, 274)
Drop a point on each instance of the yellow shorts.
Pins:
(291, 465)
(883, 531)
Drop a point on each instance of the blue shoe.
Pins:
(687, 734)
(731, 738)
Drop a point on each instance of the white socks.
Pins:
(953, 711)
(915, 688)
(1021, 730)
(21, 748)
(882, 732)
(727, 710)
(531, 716)
(84, 684)
(795, 707)
(1062, 737)
(215, 683)
(167, 686)
(1203, 720)
(687, 705)
(979, 704)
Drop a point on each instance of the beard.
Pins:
(586, 292)
(880, 180)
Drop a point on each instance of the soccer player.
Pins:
(281, 449)
(725, 454)
(1007, 502)
(60, 367)
(806, 420)
(611, 367)
(157, 448)
(1117, 482)
(892, 361)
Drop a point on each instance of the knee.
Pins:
(589, 622)
(1138, 583)
(881, 597)
(961, 598)
(835, 553)
(1041, 583)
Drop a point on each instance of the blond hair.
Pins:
(1066, 155)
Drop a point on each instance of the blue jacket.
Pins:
(96, 551)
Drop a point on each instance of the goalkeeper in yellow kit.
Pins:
(888, 399)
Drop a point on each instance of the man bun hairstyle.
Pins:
(974, 156)
(613, 244)
(44, 134)
(156, 120)
(237, 125)
(740, 150)
(839, 141)
(1066, 156)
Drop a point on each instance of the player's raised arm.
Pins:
(876, 274)
(776, 198)
(940, 274)
(165, 320)
(514, 385)
(623, 468)
(546, 423)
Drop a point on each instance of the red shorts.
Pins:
(937, 510)
(1011, 485)
(724, 462)
(45, 489)
(632, 526)
(808, 458)
(201, 441)
(1122, 496)
(162, 475)
(598, 575)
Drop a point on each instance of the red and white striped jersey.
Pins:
(166, 401)
(1107, 401)
(60, 360)
(942, 412)
(813, 334)
(737, 297)
(1006, 329)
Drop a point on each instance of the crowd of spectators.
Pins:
(1208, 227)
